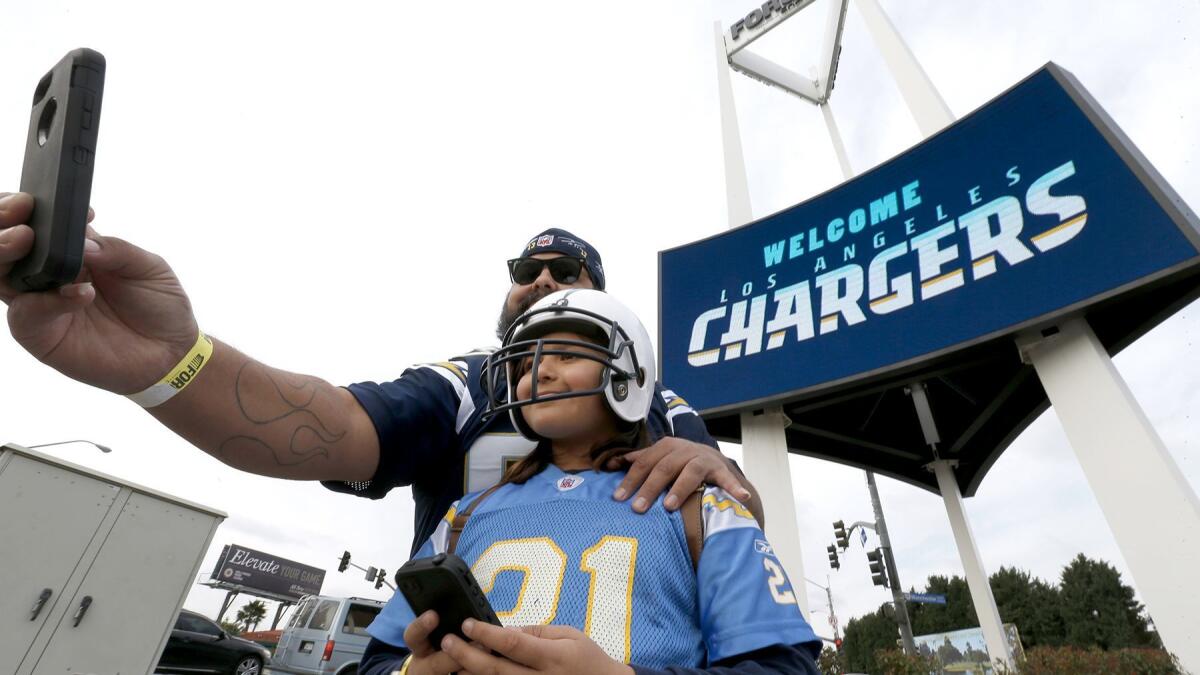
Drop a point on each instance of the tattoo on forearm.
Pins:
(290, 406)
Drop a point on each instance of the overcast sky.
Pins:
(338, 186)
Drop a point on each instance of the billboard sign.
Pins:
(253, 570)
(1032, 207)
(965, 651)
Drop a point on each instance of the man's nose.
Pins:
(546, 280)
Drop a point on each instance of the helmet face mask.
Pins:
(622, 347)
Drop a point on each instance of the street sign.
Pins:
(926, 598)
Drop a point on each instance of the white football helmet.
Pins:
(626, 352)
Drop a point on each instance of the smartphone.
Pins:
(60, 153)
(444, 584)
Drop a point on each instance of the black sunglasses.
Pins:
(565, 270)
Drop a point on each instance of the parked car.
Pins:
(198, 645)
(325, 636)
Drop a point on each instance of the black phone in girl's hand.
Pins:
(444, 584)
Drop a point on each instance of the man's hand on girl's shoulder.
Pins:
(679, 463)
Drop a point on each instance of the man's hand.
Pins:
(121, 326)
(533, 649)
(685, 463)
(425, 659)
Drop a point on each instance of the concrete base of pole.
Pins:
(1150, 506)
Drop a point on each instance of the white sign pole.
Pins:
(1152, 510)
(737, 190)
(977, 579)
(922, 98)
(764, 444)
(932, 115)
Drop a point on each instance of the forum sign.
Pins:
(1032, 208)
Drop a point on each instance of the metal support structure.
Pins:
(737, 189)
(1136, 481)
(279, 610)
(764, 444)
(1152, 510)
(977, 578)
(922, 98)
(765, 454)
(230, 596)
(968, 552)
(835, 136)
(885, 544)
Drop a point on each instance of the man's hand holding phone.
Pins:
(124, 322)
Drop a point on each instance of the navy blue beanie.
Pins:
(555, 240)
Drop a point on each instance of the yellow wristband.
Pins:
(178, 377)
(404, 667)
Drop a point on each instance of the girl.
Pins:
(595, 586)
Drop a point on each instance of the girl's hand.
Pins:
(532, 649)
(425, 659)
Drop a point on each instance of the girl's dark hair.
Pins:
(636, 437)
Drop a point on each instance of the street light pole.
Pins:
(893, 576)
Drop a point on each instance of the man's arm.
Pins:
(272, 422)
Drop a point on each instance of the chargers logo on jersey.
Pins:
(763, 547)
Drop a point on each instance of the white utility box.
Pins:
(93, 569)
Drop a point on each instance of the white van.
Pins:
(325, 636)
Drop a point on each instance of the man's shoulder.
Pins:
(461, 370)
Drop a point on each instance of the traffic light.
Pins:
(379, 579)
(878, 573)
(345, 562)
(840, 535)
(838, 644)
(833, 558)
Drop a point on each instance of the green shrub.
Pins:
(896, 662)
(1076, 661)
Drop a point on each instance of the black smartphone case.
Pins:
(444, 584)
(60, 153)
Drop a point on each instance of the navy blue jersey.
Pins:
(433, 435)
(558, 550)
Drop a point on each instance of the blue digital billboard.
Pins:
(1033, 206)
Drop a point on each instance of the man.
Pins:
(128, 327)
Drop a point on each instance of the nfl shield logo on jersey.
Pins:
(545, 240)
(568, 483)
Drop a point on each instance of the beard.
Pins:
(507, 317)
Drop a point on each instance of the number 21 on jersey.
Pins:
(610, 564)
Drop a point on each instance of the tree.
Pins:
(957, 613)
(1097, 609)
(1031, 604)
(252, 613)
(231, 628)
(864, 636)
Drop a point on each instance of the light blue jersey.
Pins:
(560, 550)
